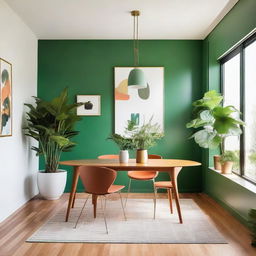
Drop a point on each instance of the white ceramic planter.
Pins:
(51, 185)
(124, 156)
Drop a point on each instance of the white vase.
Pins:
(51, 185)
(124, 156)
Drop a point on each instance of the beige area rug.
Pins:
(139, 228)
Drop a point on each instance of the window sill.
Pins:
(240, 181)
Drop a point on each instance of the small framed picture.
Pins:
(91, 105)
(5, 98)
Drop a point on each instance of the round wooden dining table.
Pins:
(171, 166)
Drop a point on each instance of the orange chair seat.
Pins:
(163, 184)
(115, 188)
(142, 175)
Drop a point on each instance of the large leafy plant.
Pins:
(214, 122)
(51, 123)
(145, 136)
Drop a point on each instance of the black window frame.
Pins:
(239, 49)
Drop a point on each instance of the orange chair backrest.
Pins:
(108, 157)
(97, 180)
(154, 157)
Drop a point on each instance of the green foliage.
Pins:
(144, 137)
(122, 142)
(229, 156)
(252, 215)
(215, 121)
(52, 125)
(252, 157)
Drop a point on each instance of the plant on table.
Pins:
(144, 137)
(214, 122)
(124, 144)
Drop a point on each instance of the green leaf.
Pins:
(60, 140)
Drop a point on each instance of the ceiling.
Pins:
(110, 19)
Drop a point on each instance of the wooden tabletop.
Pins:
(114, 163)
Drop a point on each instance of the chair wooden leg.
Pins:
(169, 192)
(94, 201)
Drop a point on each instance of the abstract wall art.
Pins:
(5, 98)
(139, 105)
(91, 105)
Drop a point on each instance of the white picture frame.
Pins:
(135, 104)
(91, 107)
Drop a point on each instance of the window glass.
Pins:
(250, 111)
(231, 92)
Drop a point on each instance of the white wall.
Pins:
(18, 165)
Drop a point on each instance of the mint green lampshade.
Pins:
(137, 79)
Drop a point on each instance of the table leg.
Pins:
(73, 203)
(94, 201)
(73, 190)
(174, 174)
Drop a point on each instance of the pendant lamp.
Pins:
(136, 77)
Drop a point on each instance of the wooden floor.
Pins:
(18, 227)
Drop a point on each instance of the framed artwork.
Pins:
(139, 105)
(5, 98)
(91, 105)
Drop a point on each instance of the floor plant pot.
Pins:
(217, 164)
(124, 156)
(141, 156)
(51, 185)
(226, 167)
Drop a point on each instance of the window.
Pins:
(238, 80)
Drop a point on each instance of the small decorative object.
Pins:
(217, 164)
(139, 104)
(52, 125)
(143, 138)
(5, 98)
(252, 215)
(216, 123)
(91, 105)
(124, 144)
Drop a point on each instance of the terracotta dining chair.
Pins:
(143, 175)
(108, 157)
(98, 181)
(163, 185)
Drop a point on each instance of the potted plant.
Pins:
(215, 123)
(124, 144)
(252, 215)
(143, 138)
(227, 160)
(52, 125)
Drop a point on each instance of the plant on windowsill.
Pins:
(124, 145)
(215, 123)
(227, 160)
(51, 124)
(252, 215)
(143, 138)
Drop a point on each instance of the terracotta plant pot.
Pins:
(141, 156)
(226, 168)
(217, 164)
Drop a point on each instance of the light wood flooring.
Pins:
(19, 226)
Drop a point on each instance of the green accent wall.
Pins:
(235, 25)
(87, 67)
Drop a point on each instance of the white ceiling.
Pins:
(110, 19)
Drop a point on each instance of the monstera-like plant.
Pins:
(214, 122)
(51, 124)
